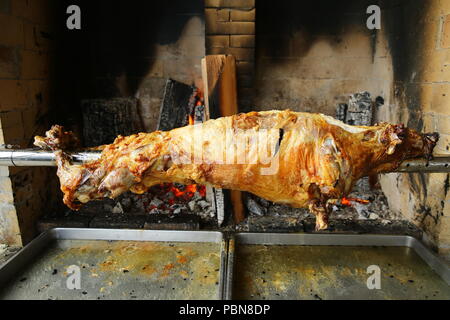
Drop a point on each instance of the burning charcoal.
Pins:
(373, 216)
(361, 209)
(156, 203)
(335, 208)
(155, 211)
(199, 113)
(255, 208)
(263, 202)
(203, 204)
(140, 206)
(197, 196)
(168, 195)
(126, 202)
(192, 205)
(118, 209)
(177, 208)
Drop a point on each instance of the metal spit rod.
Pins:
(40, 158)
(438, 164)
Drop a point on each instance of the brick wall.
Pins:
(311, 55)
(230, 29)
(25, 54)
(418, 34)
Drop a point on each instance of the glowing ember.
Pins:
(188, 192)
(185, 193)
(348, 201)
(196, 108)
(170, 197)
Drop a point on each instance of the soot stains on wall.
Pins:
(311, 55)
(114, 50)
(403, 26)
(414, 30)
(280, 21)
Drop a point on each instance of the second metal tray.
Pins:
(322, 266)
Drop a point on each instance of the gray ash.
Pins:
(168, 199)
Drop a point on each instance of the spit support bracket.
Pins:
(42, 158)
(436, 165)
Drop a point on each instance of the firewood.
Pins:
(219, 79)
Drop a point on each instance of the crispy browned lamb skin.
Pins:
(319, 159)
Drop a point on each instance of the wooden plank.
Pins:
(209, 81)
(219, 79)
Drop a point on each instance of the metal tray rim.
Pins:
(135, 235)
(325, 239)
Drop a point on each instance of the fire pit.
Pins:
(166, 65)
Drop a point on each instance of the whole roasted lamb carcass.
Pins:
(303, 160)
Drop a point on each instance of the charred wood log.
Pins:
(105, 119)
(175, 106)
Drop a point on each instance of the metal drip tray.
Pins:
(117, 264)
(144, 264)
(314, 266)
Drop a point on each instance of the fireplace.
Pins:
(140, 68)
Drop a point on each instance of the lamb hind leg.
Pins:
(321, 211)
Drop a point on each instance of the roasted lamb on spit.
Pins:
(303, 160)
